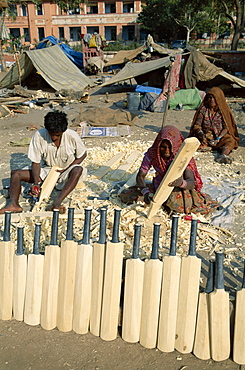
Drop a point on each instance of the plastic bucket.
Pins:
(133, 100)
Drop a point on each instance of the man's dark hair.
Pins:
(55, 121)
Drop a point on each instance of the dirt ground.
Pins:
(26, 347)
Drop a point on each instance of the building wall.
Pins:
(53, 18)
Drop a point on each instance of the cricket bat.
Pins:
(202, 338)
(20, 269)
(219, 315)
(169, 294)
(98, 275)
(239, 326)
(133, 291)
(6, 271)
(112, 283)
(34, 282)
(66, 286)
(151, 295)
(51, 278)
(83, 279)
(188, 296)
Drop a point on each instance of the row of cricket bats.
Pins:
(78, 286)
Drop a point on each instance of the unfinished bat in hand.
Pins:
(202, 336)
(83, 279)
(219, 315)
(169, 294)
(34, 282)
(98, 275)
(188, 296)
(175, 170)
(151, 294)
(51, 278)
(239, 327)
(112, 283)
(6, 271)
(133, 290)
(66, 286)
(20, 270)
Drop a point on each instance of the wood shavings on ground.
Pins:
(103, 193)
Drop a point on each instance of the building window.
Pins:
(128, 33)
(61, 33)
(23, 10)
(40, 9)
(72, 11)
(110, 7)
(15, 32)
(27, 35)
(75, 33)
(91, 30)
(111, 33)
(41, 33)
(128, 7)
(92, 7)
(12, 9)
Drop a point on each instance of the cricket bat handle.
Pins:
(70, 221)
(136, 244)
(155, 242)
(20, 241)
(37, 235)
(193, 236)
(54, 227)
(210, 280)
(243, 280)
(219, 270)
(86, 228)
(115, 232)
(102, 233)
(174, 233)
(6, 231)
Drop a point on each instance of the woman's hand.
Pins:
(176, 182)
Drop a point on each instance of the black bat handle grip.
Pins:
(6, 231)
(86, 228)
(20, 240)
(174, 233)
(102, 234)
(54, 227)
(192, 245)
(219, 270)
(70, 221)
(136, 244)
(37, 235)
(210, 280)
(115, 232)
(243, 280)
(155, 242)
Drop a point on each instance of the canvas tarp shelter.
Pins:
(132, 70)
(206, 70)
(53, 65)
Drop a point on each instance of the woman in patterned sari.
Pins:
(186, 196)
(214, 125)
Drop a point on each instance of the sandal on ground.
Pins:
(223, 158)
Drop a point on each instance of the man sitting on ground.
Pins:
(54, 145)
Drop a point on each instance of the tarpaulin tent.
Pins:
(75, 56)
(54, 67)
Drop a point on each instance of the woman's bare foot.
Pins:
(53, 206)
(14, 208)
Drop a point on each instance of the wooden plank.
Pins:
(176, 169)
(122, 169)
(103, 170)
(131, 182)
(48, 185)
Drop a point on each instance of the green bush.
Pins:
(120, 45)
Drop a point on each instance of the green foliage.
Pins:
(119, 45)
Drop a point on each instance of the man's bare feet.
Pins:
(11, 208)
(53, 206)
